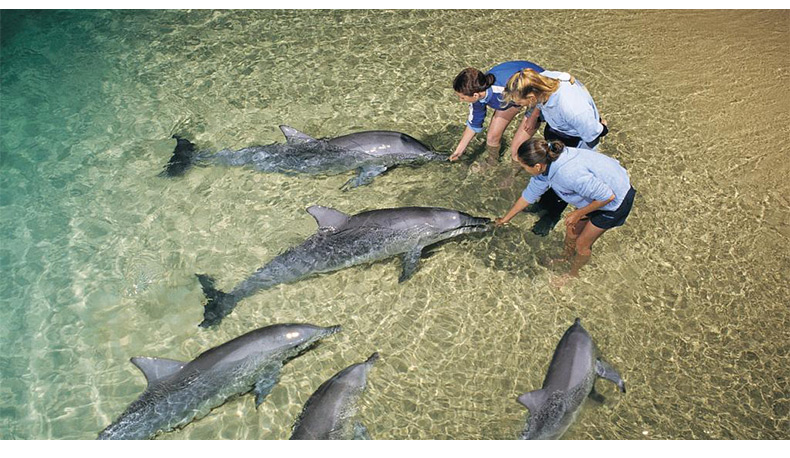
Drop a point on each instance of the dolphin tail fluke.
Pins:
(184, 157)
(219, 304)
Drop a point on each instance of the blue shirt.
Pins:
(493, 97)
(580, 176)
(571, 109)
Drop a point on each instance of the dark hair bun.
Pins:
(490, 79)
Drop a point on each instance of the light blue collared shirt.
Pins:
(571, 109)
(580, 176)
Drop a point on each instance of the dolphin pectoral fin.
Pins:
(596, 396)
(328, 218)
(606, 371)
(156, 369)
(294, 136)
(411, 261)
(533, 399)
(361, 432)
(365, 176)
(264, 386)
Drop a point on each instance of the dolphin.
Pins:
(571, 378)
(343, 241)
(327, 413)
(371, 153)
(179, 392)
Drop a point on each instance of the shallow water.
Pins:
(688, 299)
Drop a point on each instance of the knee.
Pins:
(494, 138)
(583, 249)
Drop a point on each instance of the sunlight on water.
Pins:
(688, 300)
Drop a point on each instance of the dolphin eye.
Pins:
(292, 335)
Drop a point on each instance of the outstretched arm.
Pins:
(469, 134)
(525, 131)
(517, 208)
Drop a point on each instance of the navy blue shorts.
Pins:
(609, 219)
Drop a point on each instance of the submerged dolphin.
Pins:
(343, 241)
(370, 153)
(327, 413)
(178, 392)
(571, 378)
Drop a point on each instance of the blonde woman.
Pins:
(571, 117)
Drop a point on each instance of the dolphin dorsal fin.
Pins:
(533, 399)
(156, 369)
(328, 218)
(294, 136)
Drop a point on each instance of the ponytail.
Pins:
(471, 81)
(539, 151)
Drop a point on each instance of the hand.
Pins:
(499, 222)
(573, 218)
(454, 157)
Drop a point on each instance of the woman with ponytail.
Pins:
(596, 184)
(481, 90)
(571, 117)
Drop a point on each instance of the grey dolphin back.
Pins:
(570, 379)
(329, 412)
(343, 241)
(178, 392)
(370, 153)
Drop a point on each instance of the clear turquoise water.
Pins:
(98, 254)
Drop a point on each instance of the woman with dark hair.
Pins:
(484, 89)
(596, 184)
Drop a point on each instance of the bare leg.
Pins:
(584, 242)
(496, 128)
(499, 123)
(569, 246)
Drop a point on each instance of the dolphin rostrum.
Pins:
(343, 241)
(371, 153)
(571, 378)
(327, 414)
(179, 392)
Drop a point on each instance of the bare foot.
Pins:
(553, 262)
(477, 167)
(560, 280)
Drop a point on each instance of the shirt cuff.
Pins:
(476, 129)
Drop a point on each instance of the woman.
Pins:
(597, 185)
(481, 90)
(571, 117)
